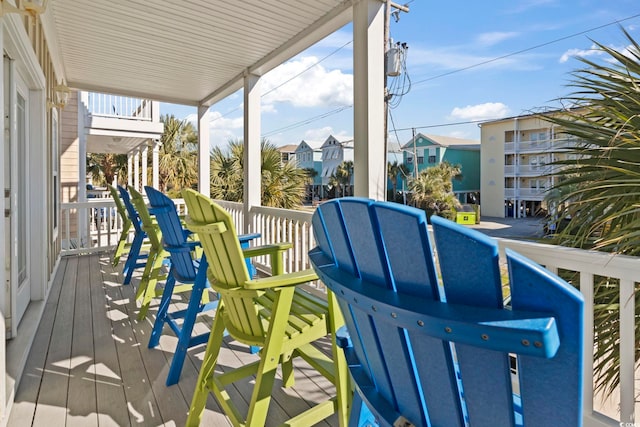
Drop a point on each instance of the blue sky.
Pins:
(462, 60)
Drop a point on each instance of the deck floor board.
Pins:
(90, 363)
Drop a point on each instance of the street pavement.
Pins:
(511, 228)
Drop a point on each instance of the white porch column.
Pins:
(145, 157)
(129, 169)
(370, 172)
(136, 169)
(252, 153)
(204, 165)
(156, 164)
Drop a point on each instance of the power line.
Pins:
(488, 61)
(307, 121)
(293, 77)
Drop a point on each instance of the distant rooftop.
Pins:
(446, 141)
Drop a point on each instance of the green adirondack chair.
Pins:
(157, 255)
(122, 246)
(272, 313)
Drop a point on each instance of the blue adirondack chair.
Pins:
(136, 257)
(187, 269)
(425, 354)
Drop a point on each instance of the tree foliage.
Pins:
(178, 157)
(283, 184)
(103, 168)
(433, 190)
(599, 185)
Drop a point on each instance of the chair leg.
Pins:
(190, 315)
(342, 383)
(120, 248)
(161, 316)
(288, 380)
(207, 370)
(269, 360)
(134, 253)
(147, 289)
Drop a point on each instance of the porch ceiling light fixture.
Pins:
(62, 95)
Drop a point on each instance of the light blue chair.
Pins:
(427, 354)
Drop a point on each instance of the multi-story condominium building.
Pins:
(516, 157)
(431, 150)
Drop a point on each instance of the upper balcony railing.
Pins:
(540, 146)
(100, 230)
(121, 107)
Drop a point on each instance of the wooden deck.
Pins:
(90, 365)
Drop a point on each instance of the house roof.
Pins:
(189, 51)
(446, 141)
(289, 148)
(313, 145)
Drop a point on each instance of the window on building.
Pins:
(432, 159)
(420, 160)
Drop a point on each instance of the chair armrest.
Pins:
(274, 251)
(282, 280)
(248, 237)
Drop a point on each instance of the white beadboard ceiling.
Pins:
(182, 51)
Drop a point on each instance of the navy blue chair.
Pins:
(428, 353)
(188, 268)
(137, 257)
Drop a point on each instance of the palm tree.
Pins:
(282, 184)
(341, 178)
(393, 171)
(433, 190)
(103, 167)
(599, 191)
(178, 155)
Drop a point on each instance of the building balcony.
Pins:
(95, 351)
(524, 193)
(118, 124)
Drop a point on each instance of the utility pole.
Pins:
(415, 153)
(387, 21)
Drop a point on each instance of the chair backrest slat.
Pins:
(119, 206)
(550, 388)
(131, 210)
(173, 235)
(470, 270)
(153, 231)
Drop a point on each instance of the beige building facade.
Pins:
(516, 156)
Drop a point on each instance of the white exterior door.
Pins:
(16, 192)
(20, 141)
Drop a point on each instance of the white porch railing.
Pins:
(105, 105)
(277, 225)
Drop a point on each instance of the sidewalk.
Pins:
(511, 228)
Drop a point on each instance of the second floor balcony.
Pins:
(280, 224)
(115, 123)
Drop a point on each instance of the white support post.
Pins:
(252, 152)
(129, 169)
(136, 169)
(204, 166)
(156, 164)
(368, 92)
(145, 157)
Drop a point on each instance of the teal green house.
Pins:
(425, 151)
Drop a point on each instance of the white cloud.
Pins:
(493, 38)
(486, 111)
(571, 53)
(302, 83)
(321, 134)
